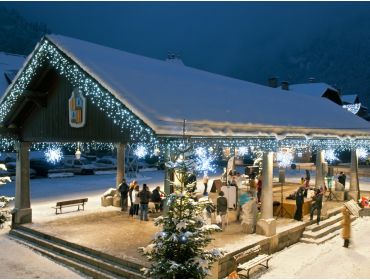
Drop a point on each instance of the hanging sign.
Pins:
(77, 109)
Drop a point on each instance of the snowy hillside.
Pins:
(338, 56)
(16, 34)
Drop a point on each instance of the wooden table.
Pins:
(290, 207)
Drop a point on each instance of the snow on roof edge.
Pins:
(159, 130)
(162, 129)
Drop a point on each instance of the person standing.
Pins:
(317, 205)
(133, 184)
(259, 189)
(222, 208)
(205, 183)
(299, 200)
(136, 201)
(156, 199)
(144, 196)
(123, 188)
(346, 224)
(342, 179)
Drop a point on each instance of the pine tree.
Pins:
(4, 200)
(178, 250)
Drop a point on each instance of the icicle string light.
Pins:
(139, 132)
(47, 54)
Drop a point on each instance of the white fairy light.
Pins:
(284, 158)
(330, 155)
(53, 155)
(362, 153)
(242, 151)
(140, 151)
(200, 152)
(353, 108)
(204, 161)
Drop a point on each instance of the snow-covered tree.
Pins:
(4, 200)
(178, 250)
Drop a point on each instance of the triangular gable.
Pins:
(47, 53)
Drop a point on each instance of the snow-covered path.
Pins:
(329, 260)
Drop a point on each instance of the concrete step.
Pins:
(319, 240)
(133, 266)
(318, 234)
(322, 232)
(84, 260)
(75, 265)
(334, 211)
(324, 223)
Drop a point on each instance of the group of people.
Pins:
(139, 199)
(317, 205)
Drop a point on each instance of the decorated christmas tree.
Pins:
(178, 250)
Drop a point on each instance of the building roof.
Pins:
(162, 94)
(312, 89)
(9, 66)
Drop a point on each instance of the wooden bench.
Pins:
(69, 203)
(249, 259)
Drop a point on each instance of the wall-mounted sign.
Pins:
(77, 109)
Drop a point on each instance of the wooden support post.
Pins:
(120, 163)
(22, 211)
(319, 182)
(267, 224)
(354, 186)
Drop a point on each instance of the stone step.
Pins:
(322, 232)
(332, 220)
(75, 265)
(85, 260)
(130, 265)
(334, 211)
(319, 240)
(325, 234)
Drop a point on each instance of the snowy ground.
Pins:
(329, 260)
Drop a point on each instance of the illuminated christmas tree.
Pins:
(178, 250)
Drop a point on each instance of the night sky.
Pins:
(220, 37)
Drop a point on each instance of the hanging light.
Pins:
(78, 152)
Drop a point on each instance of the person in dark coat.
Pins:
(342, 179)
(222, 207)
(259, 189)
(123, 188)
(144, 196)
(156, 199)
(299, 199)
(317, 205)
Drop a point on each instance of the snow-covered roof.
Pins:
(312, 89)
(350, 99)
(162, 94)
(9, 66)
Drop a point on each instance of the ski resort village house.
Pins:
(9, 66)
(71, 91)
